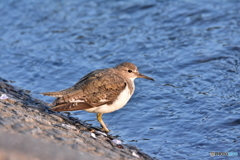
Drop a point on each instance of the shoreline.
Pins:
(28, 130)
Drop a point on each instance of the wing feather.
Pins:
(93, 90)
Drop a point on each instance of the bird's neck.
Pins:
(131, 85)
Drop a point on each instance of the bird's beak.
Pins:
(143, 76)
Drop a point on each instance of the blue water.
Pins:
(191, 49)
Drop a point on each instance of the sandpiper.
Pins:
(100, 91)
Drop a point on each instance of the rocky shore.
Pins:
(29, 130)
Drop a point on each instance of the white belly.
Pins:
(121, 100)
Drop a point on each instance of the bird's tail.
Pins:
(53, 94)
(59, 93)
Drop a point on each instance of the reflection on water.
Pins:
(191, 49)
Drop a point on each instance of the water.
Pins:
(191, 49)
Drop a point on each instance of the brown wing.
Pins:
(93, 91)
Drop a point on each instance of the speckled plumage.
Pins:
(100, 88)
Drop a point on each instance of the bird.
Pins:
(100, 91)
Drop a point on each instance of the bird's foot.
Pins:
(105, 129)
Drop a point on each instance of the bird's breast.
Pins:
(120, 101)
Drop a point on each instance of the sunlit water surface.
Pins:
(190, 48)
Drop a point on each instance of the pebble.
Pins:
(93, 135)
(3, 96)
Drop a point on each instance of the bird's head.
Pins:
(130, 71)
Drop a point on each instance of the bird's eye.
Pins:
(129, 71)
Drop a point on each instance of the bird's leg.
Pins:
(99, 118)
